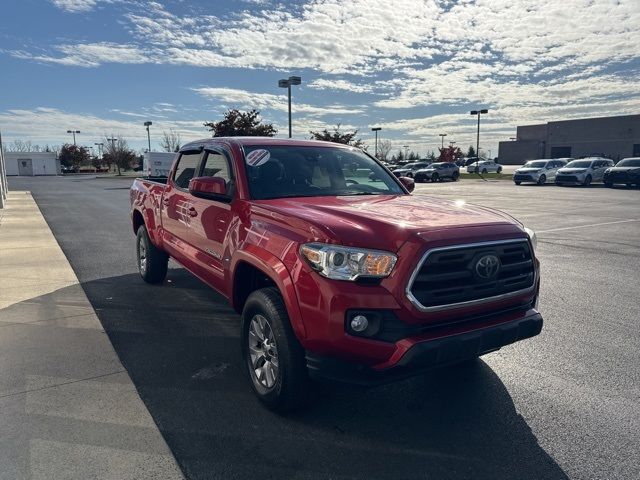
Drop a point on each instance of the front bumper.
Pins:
(571, 179)
(428, 354)
(526, 177)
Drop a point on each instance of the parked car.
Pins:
(437, 172)
(583, 171)
(409, 169)
(333, 277)
(484, 166)
(626, 171)
(538, 171)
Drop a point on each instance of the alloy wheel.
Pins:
(263, 352)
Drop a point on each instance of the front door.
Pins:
(25, 167)
(209, 233)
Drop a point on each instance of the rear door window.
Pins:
(186, 169)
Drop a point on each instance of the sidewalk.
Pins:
(68, 409)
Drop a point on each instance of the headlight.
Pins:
(346, 263)
(532, 237)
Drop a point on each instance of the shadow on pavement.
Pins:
(179, 343)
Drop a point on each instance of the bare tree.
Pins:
(384, 148)
(116, 150)
(20, 146)
(171, 141)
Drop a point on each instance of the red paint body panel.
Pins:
(212, 238)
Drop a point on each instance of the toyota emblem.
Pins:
(487, 266)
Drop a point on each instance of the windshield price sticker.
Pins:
(258, 157)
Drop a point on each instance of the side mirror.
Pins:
(214, 188)
(408, 183)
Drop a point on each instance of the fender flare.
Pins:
(273, 268)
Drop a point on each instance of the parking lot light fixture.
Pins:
(286, 83)
(74, 135)
(376, 129)
(148, 124)
(442, 135)
(406, 151)
(478, 113)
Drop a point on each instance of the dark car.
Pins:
(626, 171)
(437, 172)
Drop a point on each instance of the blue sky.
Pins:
(415, 68)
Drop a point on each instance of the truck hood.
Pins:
(384, 222)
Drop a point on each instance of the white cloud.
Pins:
(75, 6)
(233, 97)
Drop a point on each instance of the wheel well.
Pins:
(247, 279)
(137, 220)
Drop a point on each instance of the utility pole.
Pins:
(376, 129)
(478, 113)
(3, 175)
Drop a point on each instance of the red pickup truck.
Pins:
(337, 270)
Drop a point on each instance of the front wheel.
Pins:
(273, 357)
(484, 171)
(455, 176)
(517, 183)
(435, 177)
(608, 184)
(152, 262)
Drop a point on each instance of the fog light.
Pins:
(359, 323)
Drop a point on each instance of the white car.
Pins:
(409, 169)
(484, 166)
(583, 171)
(539, 171)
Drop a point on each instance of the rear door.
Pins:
(178, 211)
(208, 231)
(599, 166)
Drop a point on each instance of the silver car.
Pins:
(484, 166)
(539, 171)
(583, 171)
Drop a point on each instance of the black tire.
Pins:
(435, 177)
(517, 183)
(410, 175)
(152, 262)
(455, 176)
(499, 169)
(608, 184)
(587, 181)
(290, 387)
(484, 171)
(542, 180)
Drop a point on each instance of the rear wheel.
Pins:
(587, 181)
(152, 262)
(435, 177)
(542, 180)
(499, 169)
(608, 184)
(273, 357)
(455, 176)
(517, 183)
(484, 171)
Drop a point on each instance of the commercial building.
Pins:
(32, 163)
(612, 137)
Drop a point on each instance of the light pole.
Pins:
(406, 151)
(376, 129)
(148, 124)
(442, 135)
(100, 146)
(478, 113)
(74, 135)
(286, 83)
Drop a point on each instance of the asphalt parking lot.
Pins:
(563, 405)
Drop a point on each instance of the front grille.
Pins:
(448, 276)
(523, 178)
(566, 178)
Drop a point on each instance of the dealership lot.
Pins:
(564, 404)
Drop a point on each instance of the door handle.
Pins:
(193, 212)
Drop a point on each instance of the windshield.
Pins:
(538, 164)
(579, 164)
(297, 171)
(629, 162)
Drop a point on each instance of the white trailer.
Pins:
(157, 164)
(29, 164)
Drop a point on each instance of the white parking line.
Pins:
(588, 226)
